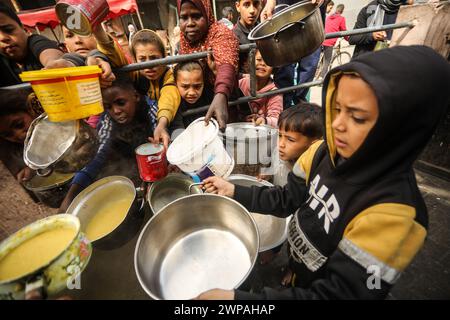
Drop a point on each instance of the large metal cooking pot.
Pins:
(250, 145)
(290, 35)
(272, 230)
(61, 146)
(196, 243)
(57, 273)
(169, 189)
(92, 199)
(50, 190)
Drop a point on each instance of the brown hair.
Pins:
(147, 36)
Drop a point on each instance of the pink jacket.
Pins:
(270, 107)
(334, 23)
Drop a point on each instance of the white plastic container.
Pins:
(199, 151)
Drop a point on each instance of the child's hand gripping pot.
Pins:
(217, 185)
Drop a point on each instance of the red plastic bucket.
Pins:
(81, 16)
(152, 162)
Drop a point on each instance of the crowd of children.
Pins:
(344, 171)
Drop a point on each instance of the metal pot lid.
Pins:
(282, 20)
(56, 179)
(247, 130)
(47, 141)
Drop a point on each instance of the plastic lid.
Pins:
(59, 73)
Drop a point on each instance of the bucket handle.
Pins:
(287, 25)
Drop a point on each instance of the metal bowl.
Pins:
(91, 200)
(272, 230)
(169, 189)
(194, 244)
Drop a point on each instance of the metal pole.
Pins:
(139, 18)
(409, 24)
(258, 96)
(214, 8)
(252, 69)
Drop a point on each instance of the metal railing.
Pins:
(251, 49)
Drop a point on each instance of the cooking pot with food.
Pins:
(110, 212)
(47, 255)
(50, 190)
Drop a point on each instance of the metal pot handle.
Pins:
(195, 184)
(301, 23)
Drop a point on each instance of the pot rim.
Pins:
(251, 36)
(92, 187)
(154, 185)
(46, 188)
(43, 222)
(141, 235)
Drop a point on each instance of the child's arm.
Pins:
(87, 175)
(274, 108)
(110, 48)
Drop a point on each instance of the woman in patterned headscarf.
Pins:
(199, 32)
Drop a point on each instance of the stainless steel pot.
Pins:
(272, 230)
(169, 189)
(250, 145)
(92, 199)
(290, 35)
(194, 244)
(61, 146)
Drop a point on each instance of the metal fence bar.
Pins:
(258, 96)
(252, 70)
(409, 24)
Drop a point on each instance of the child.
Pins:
(265, 110)
(298, 128)
(20, 51)
(15, 119)
(193, 90)
(249, 11)
(128, 121)
(158, 82)
(201, 32)
(358, 216)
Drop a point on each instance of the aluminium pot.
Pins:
(272, 230)
(169, 189)
(290, 35)
(251, 146)
(65, 147)
(91, 200)
(196, 243)
(50, 190)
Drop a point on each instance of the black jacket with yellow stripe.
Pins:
(358, 223)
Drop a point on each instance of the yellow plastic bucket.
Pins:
(67, 93)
